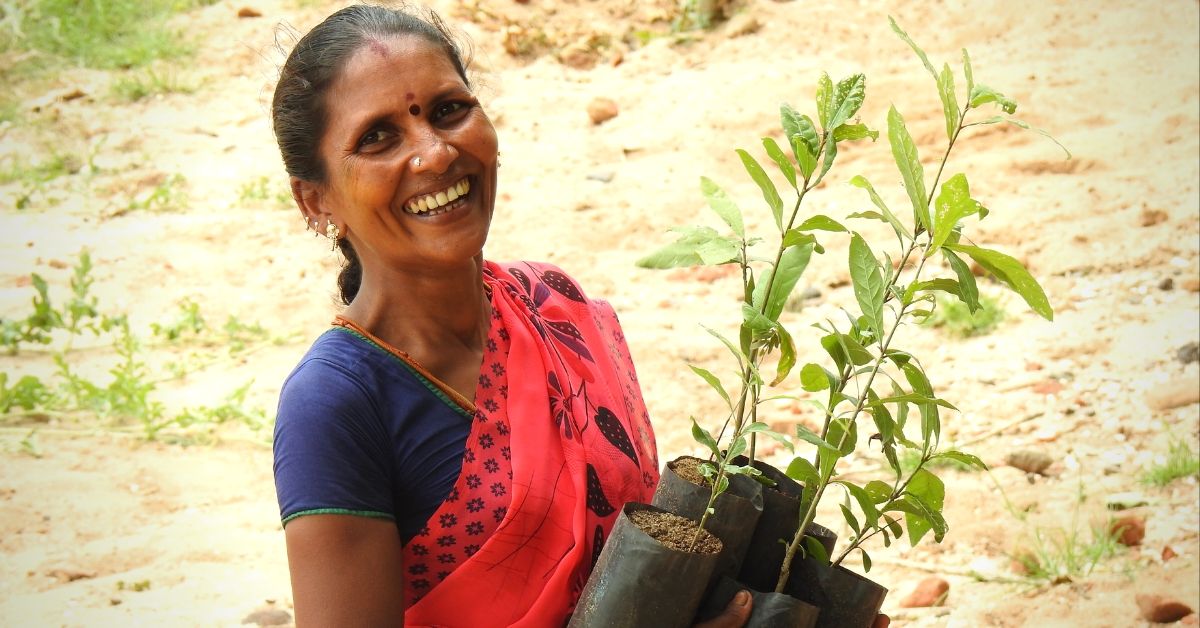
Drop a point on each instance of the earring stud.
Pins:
(416, 162)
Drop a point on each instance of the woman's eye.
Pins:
(373, 137)
(448, 109)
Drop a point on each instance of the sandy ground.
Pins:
(100, 528)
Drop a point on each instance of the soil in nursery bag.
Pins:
(770, 610)
(650, 574)
(780, 516)
(683, 490)
(846, 599)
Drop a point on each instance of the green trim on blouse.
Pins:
(338, 511)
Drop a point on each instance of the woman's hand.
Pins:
(734, 615)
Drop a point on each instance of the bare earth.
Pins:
(98, 510)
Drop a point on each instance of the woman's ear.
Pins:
(308, 198)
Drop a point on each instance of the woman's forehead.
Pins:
(400, 55)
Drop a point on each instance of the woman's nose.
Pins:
(433, 154)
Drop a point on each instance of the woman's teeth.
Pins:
(432, 202)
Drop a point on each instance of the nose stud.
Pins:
(416, 162)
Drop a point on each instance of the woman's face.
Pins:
(410, 158)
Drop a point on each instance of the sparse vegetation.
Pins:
(957, 319)
(137, 85)
(1180, 462)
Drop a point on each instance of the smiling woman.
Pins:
(455, 449)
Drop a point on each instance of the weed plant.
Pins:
(957, 319)
(1181, 462)
(139, 85)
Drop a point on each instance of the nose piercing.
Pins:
(416, 162)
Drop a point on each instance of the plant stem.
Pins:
(811, 511)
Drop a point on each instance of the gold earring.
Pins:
(333, 233)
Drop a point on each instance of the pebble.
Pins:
(268, 617)
(1151, 217)
(1129, 530)
(603, 177)
(1161, 609)
(1166, 284)
(1189, 353)
(1029, 461)
(601, 110)
(931, 591)
(249, 12)
(1180, 392)
(1168, 553)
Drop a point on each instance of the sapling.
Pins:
(862, 348)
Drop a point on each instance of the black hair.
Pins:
(298, 106)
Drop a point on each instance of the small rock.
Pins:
(601, 110)
(268, 617)
(1029, 461)
(1189, 353)
(249, 12)
(1168, 553)
(1129, 530)
(1033, 366)
(1160, 609)
(1166, 284)
(1151, 217)
(931, 591)
(742, 24)
(1048, 387)
(603, 177)
(1174, 394)
(578, 56)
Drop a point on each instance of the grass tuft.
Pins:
(1181, 462)
(955, 318)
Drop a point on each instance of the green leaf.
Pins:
(755, 320)
(782, 280)
(883, 419)
(830, 155)
(847, 99)
(912, 44)
(770, 194)
(1027, 127)
(931, 424)
(803, 138)
(843, 435)
(723, 206)
(866, 275)
(796, 237)
(1013, 274)
(904, 151)
(949, 286)
(865, 502)
(736, 449)
(697, 246)
(713, 381)
(945, 83)
(704, 438)
(845, 349)
(821, 222)
(781, 160)
(967, 71)
(861, 182)
(878, 491)
(953, 203)
(866, 559)
(787, 355)
(854, 132)
(982, 94)
(824, 100)
(809, 436)
(802, 471)
(968, 291)
(814, 378)
(851, 520)
(762, 428)
(930, 493)
(815, 551)
(965, 458)
(916, 398)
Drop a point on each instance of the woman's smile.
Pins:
(441, 201)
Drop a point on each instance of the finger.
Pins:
(882, 621)
(734, 615)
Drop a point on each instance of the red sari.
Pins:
(560, 441)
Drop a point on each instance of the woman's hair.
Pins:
(298, 107)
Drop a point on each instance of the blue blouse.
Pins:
(360, 432)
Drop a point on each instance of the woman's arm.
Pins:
(346, 571)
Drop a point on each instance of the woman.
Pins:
(455, 449)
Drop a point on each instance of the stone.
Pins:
(1047, 387)
(1161, 609)
(1150, 217)
(1029, 461)
(1168, 553)
(268, 617)
(1166, 284)
(601, 110)
(248, 12)
(931, 591)
(1175, 394)
(1129, 529)
(1189, 353)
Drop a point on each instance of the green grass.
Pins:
(1064, 555)
(953, 316)
(104, 34)
(1181, 462)
(57, 165)
(136, 86)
